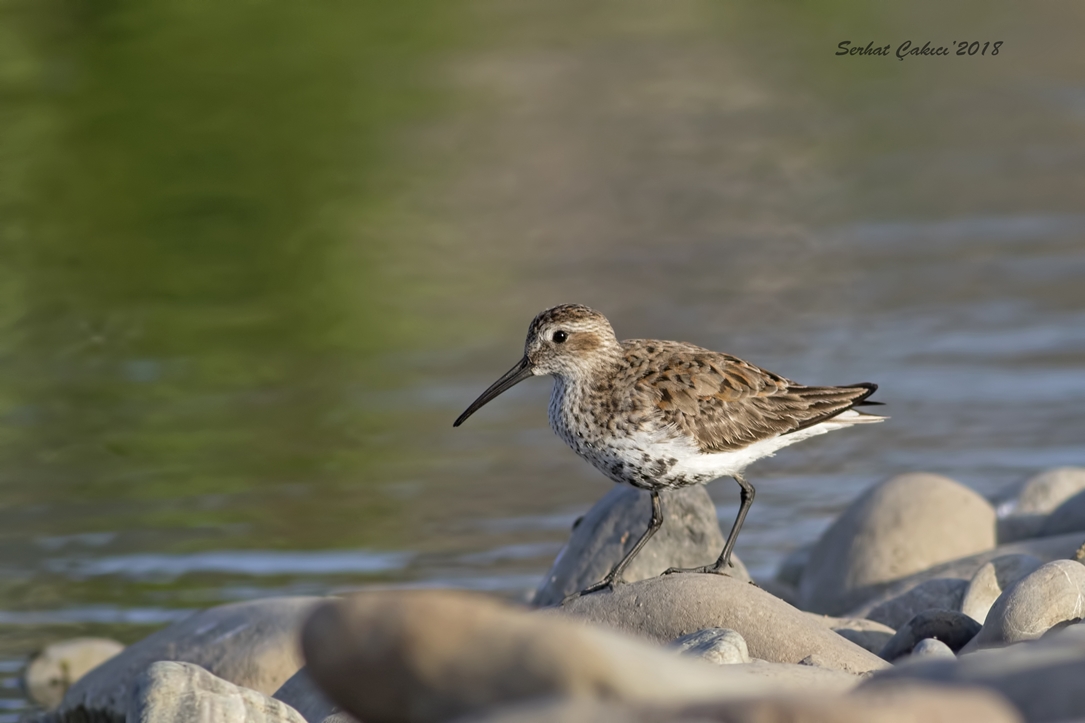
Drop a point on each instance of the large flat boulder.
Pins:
(902, 526)
(666, 608)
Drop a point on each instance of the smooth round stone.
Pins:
(941, 593)
(931, 648)
(1051, 594)
(689, 537)
(52, 671)
(171, 692)
(1067, 517)
(990, 580)
(953, 628)
(714, 645)
(902, 526)
(665, 608)
(1023, 508)
(1042, 493)
(251, 644)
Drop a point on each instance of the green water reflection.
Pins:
(196, 200)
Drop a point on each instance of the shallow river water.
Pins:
(253, 267)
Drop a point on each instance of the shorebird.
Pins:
(666, 414)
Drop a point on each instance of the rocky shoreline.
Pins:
(923, 601)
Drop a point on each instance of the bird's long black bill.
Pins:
(508, 380)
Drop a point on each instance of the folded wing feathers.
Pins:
(726, 403)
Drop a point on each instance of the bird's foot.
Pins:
(725, 570)
(607, 583)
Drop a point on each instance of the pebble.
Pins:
(52, 671)
(991, 579)
(952, 628)
(171, 692)
(666, 608)
(719, 646)
(1052, 594)
(251, 644)
(690, 537)
(902, 526)
(429, 655)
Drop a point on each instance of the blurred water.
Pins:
(256, 261)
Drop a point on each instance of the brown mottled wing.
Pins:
(725, 403)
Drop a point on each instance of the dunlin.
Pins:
(664, 414)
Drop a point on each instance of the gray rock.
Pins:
(791, 567)
(931, 648)
(1042, 679)
(431, 655)
(941, 593)
(719, 646)
(52, 671)
(900, 527)
(991, 579)
(1043, 492)
(1044, 549)
(1067, 517)
(690, 537)
(1024, 507)
(301, 694)
(251, 644)
(666, 608)
(169, 692)
(953, 628)
(867, 634)
(1050, 595)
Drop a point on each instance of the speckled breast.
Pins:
(633, 456)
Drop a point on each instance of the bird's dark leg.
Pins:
(724, 562)
(615, 575)
(746, 500)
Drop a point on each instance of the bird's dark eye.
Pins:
(560, 337)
